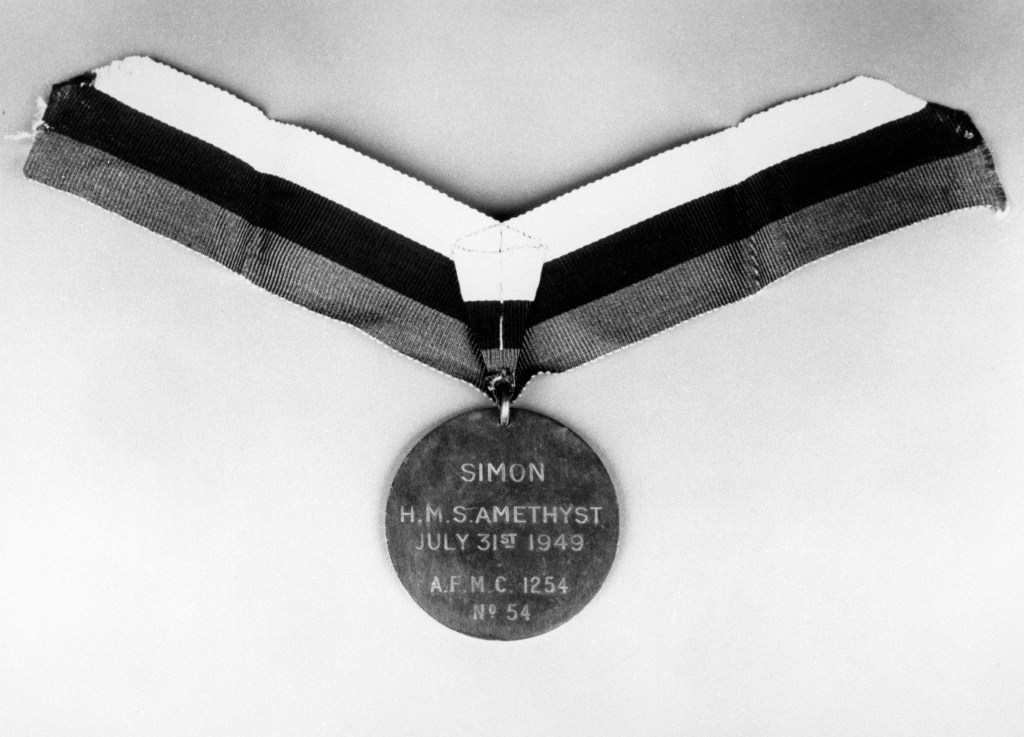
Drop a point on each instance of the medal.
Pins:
(502, 531)
(502, 523)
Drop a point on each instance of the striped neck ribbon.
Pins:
(495, 302)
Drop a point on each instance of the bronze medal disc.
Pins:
(502, 532)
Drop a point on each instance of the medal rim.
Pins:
(611, 553)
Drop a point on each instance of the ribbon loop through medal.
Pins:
(500, 387)
(498, 271)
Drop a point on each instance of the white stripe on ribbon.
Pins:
(709, 164)
(435, 220)
(349, 178)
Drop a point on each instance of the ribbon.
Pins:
(495, 303)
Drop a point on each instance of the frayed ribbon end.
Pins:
(37, 124)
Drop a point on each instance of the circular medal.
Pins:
(502, 532)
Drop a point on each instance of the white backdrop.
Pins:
(820, 486)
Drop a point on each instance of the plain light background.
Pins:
(821, 486)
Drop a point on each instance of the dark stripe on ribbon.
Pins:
(265, 258)
(726, 216)
(78, 110)
(498, 324)
(738, 269)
